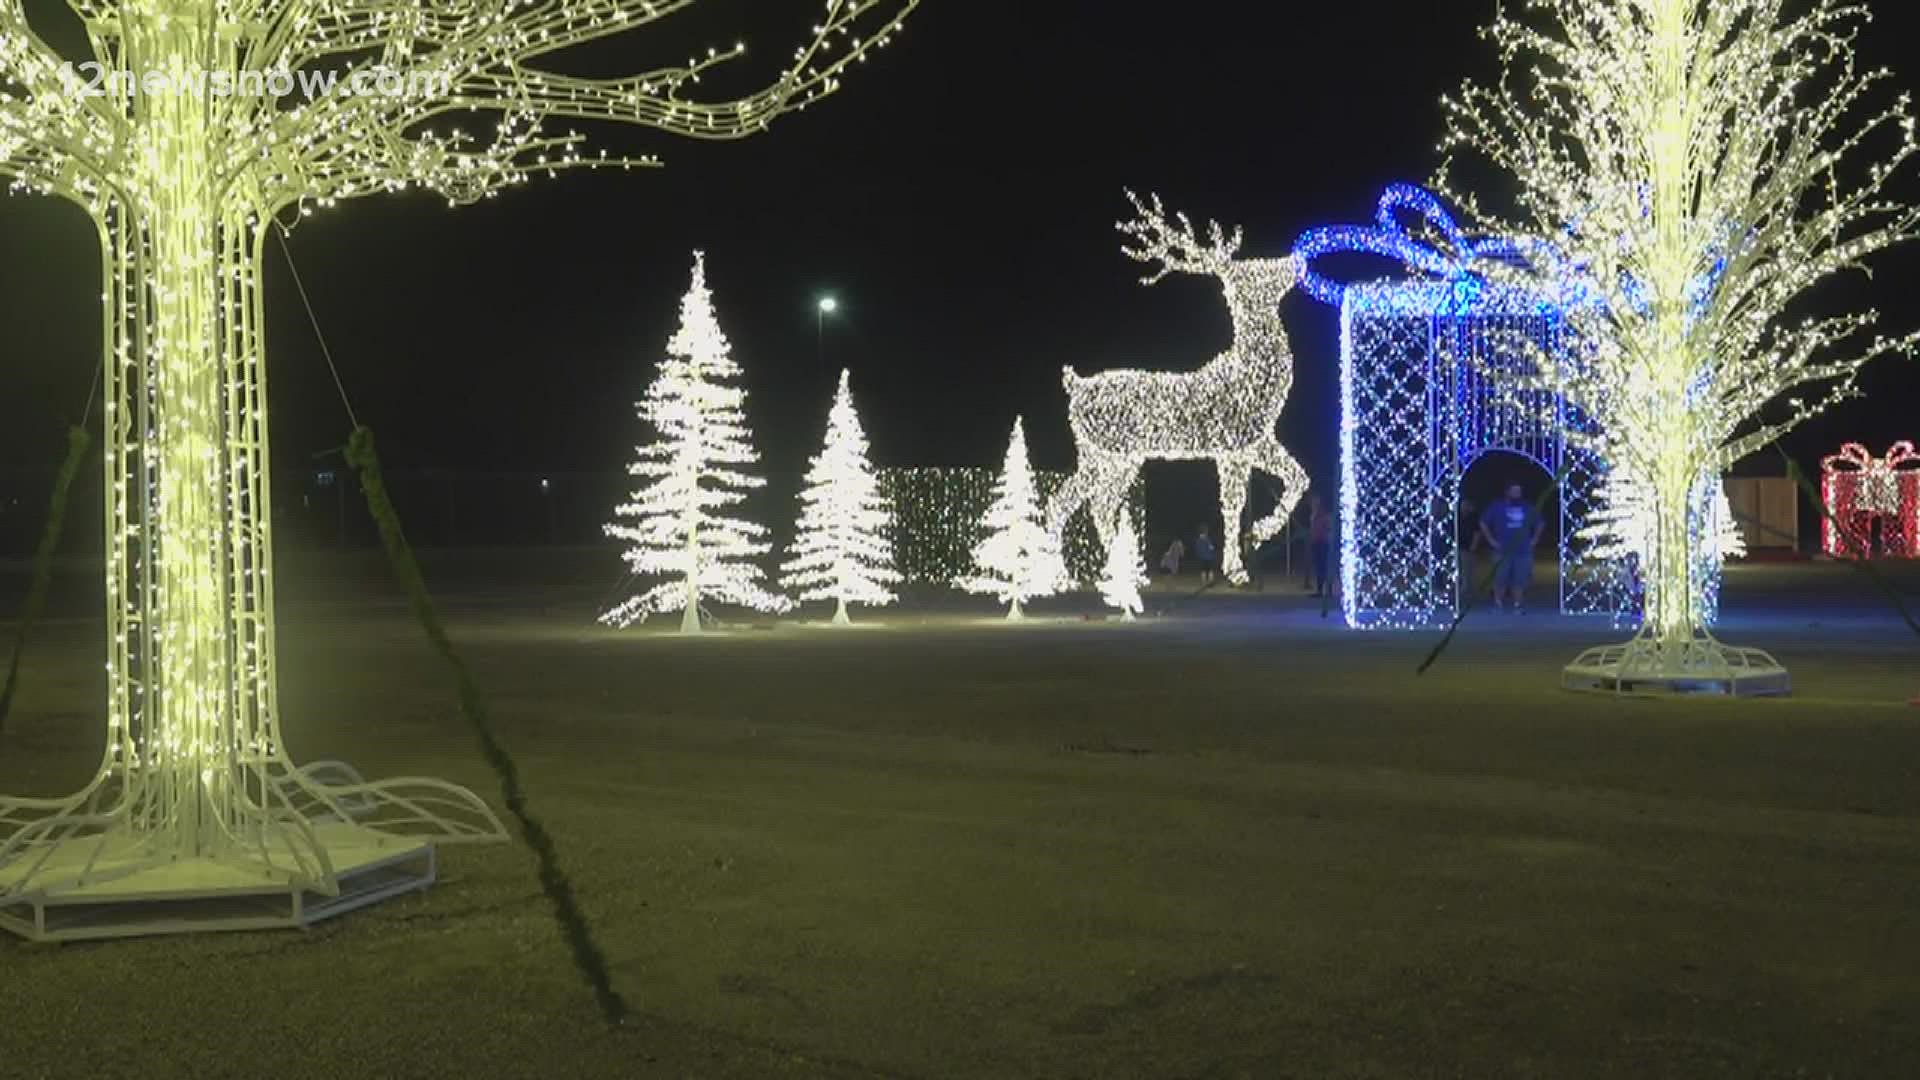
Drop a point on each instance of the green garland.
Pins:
(553, 881)
(77, 442)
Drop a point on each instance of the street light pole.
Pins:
(827, 306)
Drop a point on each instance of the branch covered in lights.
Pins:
(471, 96)
(1686, 171)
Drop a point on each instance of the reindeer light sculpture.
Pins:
(1225, 412)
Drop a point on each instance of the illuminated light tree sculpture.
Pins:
(1019, 559)
(680, 525)
(1225, 412)
(1125, 572)
(196, 795)
(840, 550)
(1686, 171)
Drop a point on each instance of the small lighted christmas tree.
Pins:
(841, 551)
(1623, 524)
(1125, 573)
(1019, 559)
(684, 523)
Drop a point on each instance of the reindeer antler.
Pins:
(1176, 245)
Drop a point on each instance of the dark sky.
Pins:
(959, 197)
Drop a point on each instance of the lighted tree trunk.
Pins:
(175, 618)
(1671, 616)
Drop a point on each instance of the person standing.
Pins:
(1320, 544)
(1203, 554)
(1176, 553)
(1511, 528)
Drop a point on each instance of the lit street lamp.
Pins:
(827, 306)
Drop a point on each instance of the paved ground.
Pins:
(1229, 841)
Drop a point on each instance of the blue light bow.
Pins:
(1387, 238)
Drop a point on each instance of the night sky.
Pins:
(958, 197)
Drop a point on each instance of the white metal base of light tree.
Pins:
(1700, 666)
(84, 868)
(137, 897)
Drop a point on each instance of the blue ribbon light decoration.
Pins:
(1387, 238)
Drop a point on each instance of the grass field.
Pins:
(1229, 841)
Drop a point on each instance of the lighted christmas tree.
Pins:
(185, 182)
(1687, 172)
(1622, 525)
(1019, 559)
(841, 551)
(1125, 571)
(685, 524)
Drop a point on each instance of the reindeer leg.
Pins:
(1235, 470)
(1273, 459)
(1074, 493)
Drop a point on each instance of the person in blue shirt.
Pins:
(1511, 527)
(1203, 554)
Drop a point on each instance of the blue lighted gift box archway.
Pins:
(1419, 406)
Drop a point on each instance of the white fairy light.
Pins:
(1224, 412)
(840, 550)
(680, 525)
(1686, 171)
(183, 186)
(1126, 572)
(1020, 558)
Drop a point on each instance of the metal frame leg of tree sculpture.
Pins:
(1225, 412)
(197, 818)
